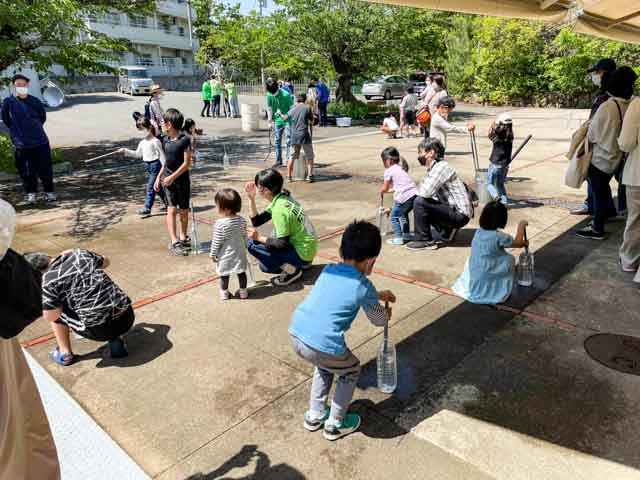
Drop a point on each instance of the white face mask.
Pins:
(596, 79)
(22, 91)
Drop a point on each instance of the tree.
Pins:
(46, 32)
(360, 39)
(460, 60)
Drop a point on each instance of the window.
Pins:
(93, 18)
(144, 60)
(181, 31)
(165, 24)
(112, 18)
(138, 21)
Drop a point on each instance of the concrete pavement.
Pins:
(213, 389)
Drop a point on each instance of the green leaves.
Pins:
(44, 32)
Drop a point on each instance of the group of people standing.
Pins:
(220, 98)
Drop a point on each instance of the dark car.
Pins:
(418, 81)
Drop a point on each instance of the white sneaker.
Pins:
(50, 197)
(224, 295)
(243, 293)
(30, 198)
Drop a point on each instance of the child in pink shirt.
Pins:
(404, 192)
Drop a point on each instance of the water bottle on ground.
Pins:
(381, 218)
(526, 267)
(386, 362)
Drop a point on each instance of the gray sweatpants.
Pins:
(630, 248)
(346, 367)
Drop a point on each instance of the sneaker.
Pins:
(312, 424)
(163, 208)
(395, 241)
(64, 359)
(422, 245)
(224, 295)
(117, 348)
(626, 269)
(144, 212)
(289, 179)
(30, 198)
(581, 211)
(310, 179)
(186, 243)
(243, 294)
(590, 233)
(177, 249)
(287, 278)
(50, 197)
(349, 424)
(277, 165)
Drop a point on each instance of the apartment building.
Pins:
(161, 40)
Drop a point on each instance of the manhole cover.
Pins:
(619, 352)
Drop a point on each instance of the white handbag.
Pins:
(578, 165)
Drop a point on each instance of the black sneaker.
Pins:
(422, 245)
(144, 212)
(177, 250)
(590, 233)
(277, 165)
(287, 278)
(186, 243)
(310, 179)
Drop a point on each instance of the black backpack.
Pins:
(21, 302)
(147, 110)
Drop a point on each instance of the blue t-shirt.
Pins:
(488, 272)
(324, 316)
(322, 92)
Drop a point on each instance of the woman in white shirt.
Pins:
(604, 130)
(151, 152)
(629, 141)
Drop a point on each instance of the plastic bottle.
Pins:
(386, 363)
(251, 280)
(526, 266)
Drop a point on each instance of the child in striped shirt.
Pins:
(229, 242)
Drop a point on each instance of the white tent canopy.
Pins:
(612, 19)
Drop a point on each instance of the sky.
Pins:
(247, 5)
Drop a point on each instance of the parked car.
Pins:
(134, 80)
(387, 87)
(418, 81)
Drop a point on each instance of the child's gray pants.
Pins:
(346, 367)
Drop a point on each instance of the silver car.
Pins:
(134, 80)
(387, 87)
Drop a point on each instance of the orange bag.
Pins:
(423, 115)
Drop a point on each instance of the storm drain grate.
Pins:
(618, 352)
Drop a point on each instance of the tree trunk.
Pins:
(343, 92)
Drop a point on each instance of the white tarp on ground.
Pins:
(612, 19)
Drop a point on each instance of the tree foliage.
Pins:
(44, 32)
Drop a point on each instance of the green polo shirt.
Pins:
(206, 90)
(289, 220)
(216, 88)
(282, 102)
(231, 90)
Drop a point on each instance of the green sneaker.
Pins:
(315, 424)
(349, 424)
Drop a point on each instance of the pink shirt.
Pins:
(403, 186)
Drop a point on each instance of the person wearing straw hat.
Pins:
(155, 109)
(27, 450)
(24, 115)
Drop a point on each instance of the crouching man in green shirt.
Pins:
(294, 244)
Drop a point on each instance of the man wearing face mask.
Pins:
(24, 115)
(442, 201)
(599, 73)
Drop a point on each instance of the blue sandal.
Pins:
(62, 359)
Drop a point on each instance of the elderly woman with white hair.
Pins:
(27, 450)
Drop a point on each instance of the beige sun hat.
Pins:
(155, 89)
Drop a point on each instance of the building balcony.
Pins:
(172, 37)
(173, 8)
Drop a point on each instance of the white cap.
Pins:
(7, 226)
(505, 119)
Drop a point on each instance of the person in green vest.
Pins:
(232, 95)
(206, 98)
(216, 90)
(279, 102)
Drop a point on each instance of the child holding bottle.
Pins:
(229, 243)
(489, 271)
(404, 193)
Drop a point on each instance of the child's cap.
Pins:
(505, 119)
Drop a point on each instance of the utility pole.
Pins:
(263, 4)
(190, 21)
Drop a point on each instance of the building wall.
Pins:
(104, 83)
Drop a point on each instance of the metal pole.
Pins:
(261, 3)
(190, 21)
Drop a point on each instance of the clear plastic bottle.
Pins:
(387, 366)
(251, 279)
(526, 268)
(382, 221)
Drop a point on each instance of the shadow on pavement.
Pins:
(263, 468)
(525, 378)
(72, 100)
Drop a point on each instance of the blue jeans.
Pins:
(280, 130)
(153, 169)
(271, 260)
(496, 176)
(400, 218)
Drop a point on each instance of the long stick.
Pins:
(386, 325)
(526, 248)
(102, 156)
(526, 140)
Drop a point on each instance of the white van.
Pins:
(134, 80)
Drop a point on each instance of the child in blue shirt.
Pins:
(319, 324)
(489, 270)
